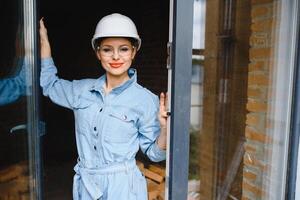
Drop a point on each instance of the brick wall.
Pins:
(257, 141)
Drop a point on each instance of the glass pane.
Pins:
(241, 98)
(15, 163)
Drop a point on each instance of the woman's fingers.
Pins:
(166, 100)
(43, 30)
(163, 102)
(164, 114)
(42, 26)
(41, 22)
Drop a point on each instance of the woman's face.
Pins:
(116, 55)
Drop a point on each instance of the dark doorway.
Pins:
(70, 28)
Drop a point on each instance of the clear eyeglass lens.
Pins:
(109, 51)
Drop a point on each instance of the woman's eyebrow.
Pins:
(107, 45)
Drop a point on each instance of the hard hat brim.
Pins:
(116, 36)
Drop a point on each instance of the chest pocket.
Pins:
(84, 110)
(121, 126)
(82, 101)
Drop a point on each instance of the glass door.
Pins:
(19, 123)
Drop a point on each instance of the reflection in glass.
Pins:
(14, 165)
(12, 88)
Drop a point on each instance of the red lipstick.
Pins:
(115, 65)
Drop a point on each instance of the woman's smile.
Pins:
(116, 64)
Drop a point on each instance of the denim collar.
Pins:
(100, 82)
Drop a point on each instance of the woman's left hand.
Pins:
(163, 116)
(163, 110)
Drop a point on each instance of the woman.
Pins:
(114, 115)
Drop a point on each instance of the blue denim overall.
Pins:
(110, 129)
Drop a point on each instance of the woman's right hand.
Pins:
(44, 42)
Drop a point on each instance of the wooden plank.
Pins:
(15, 186)
(152, 195)
(12, 172)
(156, 177)
(140, 165)
(157, 169)
(152, 185)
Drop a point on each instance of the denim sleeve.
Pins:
(11, 89)
(60, 91)
(149, 130)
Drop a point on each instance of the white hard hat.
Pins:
(116, 25)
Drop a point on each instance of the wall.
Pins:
(260, 67)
